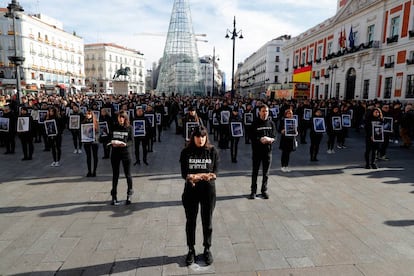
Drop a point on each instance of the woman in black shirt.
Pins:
(199, 167)
(121, 141)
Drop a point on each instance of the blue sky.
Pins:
(124, 21)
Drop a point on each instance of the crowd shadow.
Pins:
(96, 206)
(114, 267)
(400, 223)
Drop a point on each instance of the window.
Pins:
(296, 61)
(366, 90)
(303, 59)
(395, 26)
(41, 77)
(276, 79)
(409, 93)
(329, 47)
(319, 52)
(277, 49)
(276, 68)
(390, 59)
(388, 88)
(338, 86)
(370, 33)
(310, 55)
(277, 59)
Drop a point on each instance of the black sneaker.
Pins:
(128, 200)
(252, 196)
(208, 258)
(367, 167)
(374, 166)
(190, 257)
(265, 195)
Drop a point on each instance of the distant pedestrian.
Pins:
(288, 143)
(91, 147)
(373, 117)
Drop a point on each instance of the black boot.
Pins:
(128, 200)
(190, 256)
(114, 201)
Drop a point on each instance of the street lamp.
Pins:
(331, 69)
(12, 8)
(234, 35)
(214, 64)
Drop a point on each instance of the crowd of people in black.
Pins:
(222, 116)
(121, 124)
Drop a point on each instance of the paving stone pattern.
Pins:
(331, 217)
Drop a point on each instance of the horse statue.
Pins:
(122, 72)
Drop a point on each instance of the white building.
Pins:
(207, 70)
(103, 60)
(365, 51)
(262, 69)
(53, 58)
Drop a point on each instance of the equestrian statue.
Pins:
(122, 72)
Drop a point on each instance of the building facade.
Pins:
(53, 58)
(102, 62)
(211, 87)
(365, 51)
(262, 70)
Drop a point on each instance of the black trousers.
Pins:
(118, 156)
(264, 158)
(137, 143)
(91, 150)
(203, 194)
(77, 140)
(27, 146)
(285, 158)
(234, 142)
(314, 146)
(55, 143)
(371, 149)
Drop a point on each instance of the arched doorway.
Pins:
(350, 84)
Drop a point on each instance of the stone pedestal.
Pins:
(120, 87)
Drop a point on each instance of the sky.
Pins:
(142, 25)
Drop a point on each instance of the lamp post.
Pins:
(234, 34)
(214, 65)
(331, 69)
(17, 60)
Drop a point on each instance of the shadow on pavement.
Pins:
(111, 268)
(400, 223)
(96, 206)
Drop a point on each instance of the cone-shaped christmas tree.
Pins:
(180, 65)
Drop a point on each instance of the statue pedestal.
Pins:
(120, 87)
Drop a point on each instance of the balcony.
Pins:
(410, 61)
(411, 33)
(392, 39)
(318, 60)
(286, 69)
(326, 76)
(389, 65)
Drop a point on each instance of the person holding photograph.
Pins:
(141, 140)
(104, 117)
(76, 135)
(263, 136)
(199, 162)
(287, 142)
(373, 117)
(55, 141)
(234, 141)
(9, 137)
(121, 142)
(91, 148)
(26, 137)
(315, 137)
(152, 128)
(333, 129)
(382, 152)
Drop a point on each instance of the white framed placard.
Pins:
(51, 127)
(346, 120)
(388, 124)
(236, 129)
(87, 133)
(23, 124)
(189, 128)
(336, 123)
(139, 128)
(4, 124)
(291, 128)
(319, 124)
(74, 121)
